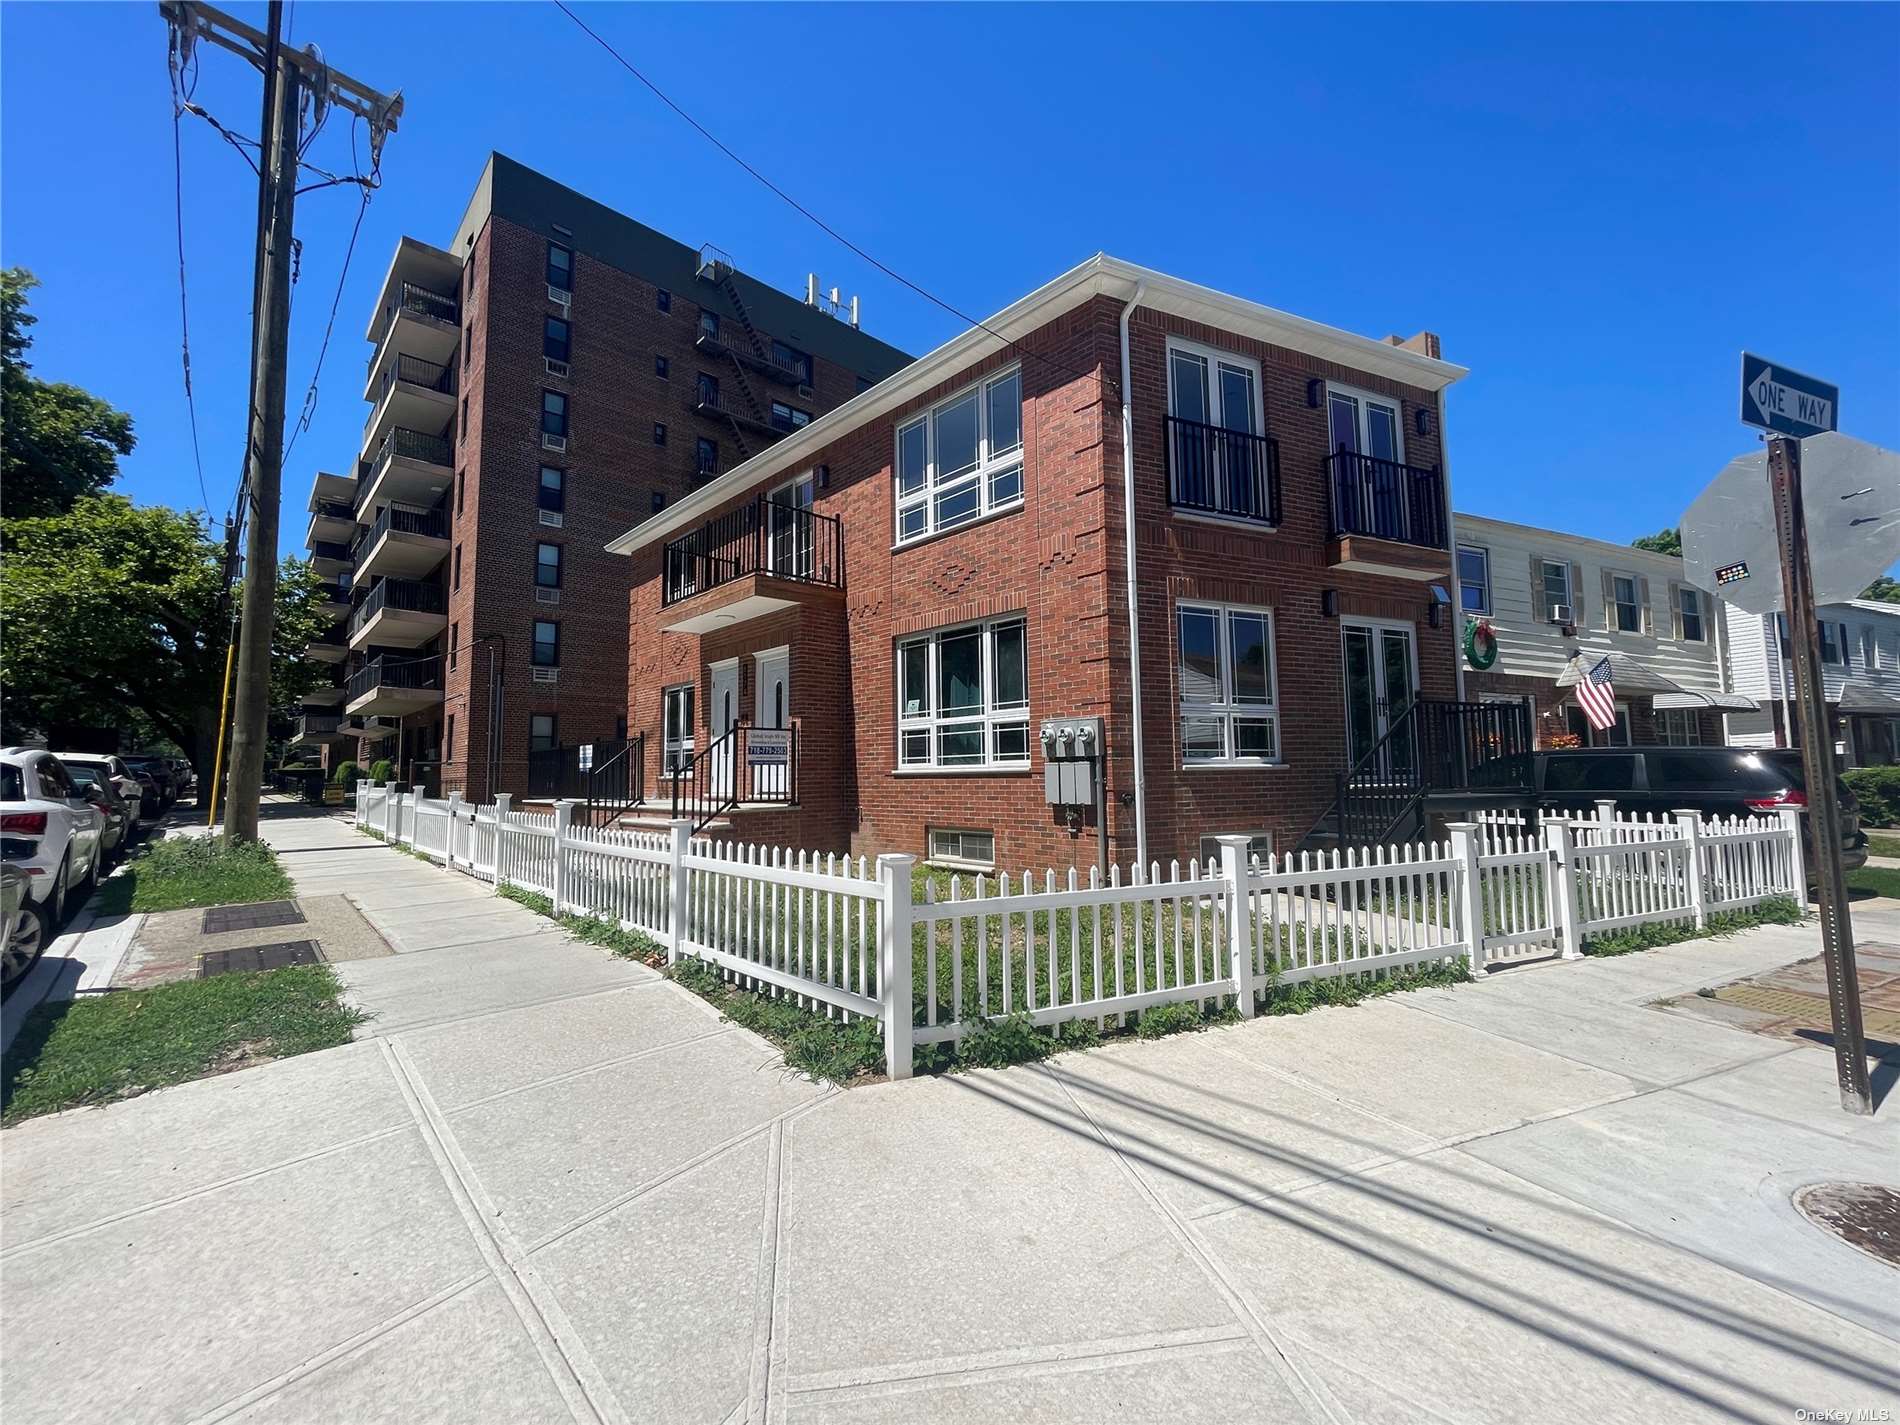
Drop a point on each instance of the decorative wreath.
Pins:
(1481, 644)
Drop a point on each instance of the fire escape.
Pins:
(752, 415)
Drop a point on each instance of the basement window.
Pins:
(952, 847)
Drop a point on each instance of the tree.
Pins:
(112, 611)
(60, 442)
(1885, 589)
(1666, 541)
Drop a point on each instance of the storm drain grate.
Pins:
(1863, 1215)
(259, 957)
(261, 916)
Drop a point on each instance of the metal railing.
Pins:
(333, 510)
(1216, 471)
(757, 766)
(318, 724)
(335, 636)
(1383, 499)
(408, 595)
(414, 371)
(433, 524)
(1433, 746)
(426, 302)
(329, 549)
(421, 674)
(609, 774)
(764, 537)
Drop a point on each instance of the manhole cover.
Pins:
(258, 957)
(261, 916)
(1863, 1215)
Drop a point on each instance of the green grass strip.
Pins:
(184, 871)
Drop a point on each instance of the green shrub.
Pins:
(998, 1043)
(1162, 1019)
(1878, 789)
(381, 771)
(347, 774)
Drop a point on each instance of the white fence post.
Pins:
(1797, 858)
(504, 803)
(1691, 824)
(1606, 817)
(415, 810)
(563, 819)
(389, 811)
(1464, 846)
(1234, 867)
(455, 818)
(894, 967)
(1566, 916)
(676, 909)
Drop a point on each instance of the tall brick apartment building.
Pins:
(555, 374)
(911, 587)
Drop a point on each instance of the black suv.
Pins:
(1716, 781)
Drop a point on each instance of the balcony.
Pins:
(330, 646)
(773, 556)
(410, 392)
(417, 304)
(1225, 474)
(331, 521)
(395, 687)
(1386, 518)
(333, 600)
(711, 401)
(402, 543)
(317, 729)
(730, 340)
(370, 729)
(320, 698)
(330, 557)
(410, 468)
(399, 613)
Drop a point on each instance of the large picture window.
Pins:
(963, 697)
(1229, 705)
(962, 459)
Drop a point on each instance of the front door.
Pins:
(1381, 683)
(772, 707)
(722, 717)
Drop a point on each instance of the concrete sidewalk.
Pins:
(549, 1185)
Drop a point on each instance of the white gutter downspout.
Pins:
(1134, 618)
(1457, 610)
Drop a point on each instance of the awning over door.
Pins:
(1629, 675)
(1690, 698)
(1860, 699)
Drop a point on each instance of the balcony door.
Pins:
(723, 717)
(789, 526)
(1363, 431)
(1217, 466)
(1381, 683)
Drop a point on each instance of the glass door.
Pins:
(1381, 684)
(1367, 491)
(790, 528)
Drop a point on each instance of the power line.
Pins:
(819, 222)
(184, 307)
(369, 185)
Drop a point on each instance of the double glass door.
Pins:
(1381, 683)
(790, 529)
(1363, 432)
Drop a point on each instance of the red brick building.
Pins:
(913, 585)
(555, 374)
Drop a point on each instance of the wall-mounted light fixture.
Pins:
(1440, 605)
(1329, 602)
(1315, 388)
(1422, 421)
(824, 477)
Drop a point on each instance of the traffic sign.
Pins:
(1787, 402)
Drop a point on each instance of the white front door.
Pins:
(723, 716)
(772, 707)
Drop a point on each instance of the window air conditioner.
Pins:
(555, 368)
(553, 442)
(547, 675)
(804, 390)
(551, 518)
(1560, 613)
(560, 296)
(547, 596)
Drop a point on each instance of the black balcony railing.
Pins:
(414, 371)
(318, 724)
(1386, 500)
(414, 445)
(329, 549)
(335, 636)
(756, 765)
(608, 775)
(333, 510)
(764, 537)
(424, 302)
(408, 595)
(338, 593)
(1216, 471)
(419, 674)
(433, 524)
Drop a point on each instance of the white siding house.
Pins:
(1860, 678)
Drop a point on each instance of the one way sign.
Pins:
(1787, 402)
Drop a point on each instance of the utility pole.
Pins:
(1817, 763)
(288, 76)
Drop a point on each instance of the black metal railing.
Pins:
(414, 445)
(764, 537)
(418, 674)
(1216, 471)
(334, 636)
(1434, 746)
(333, 510)
(1386, 500)
(414, 371)
(329, 549)
(425, 302)
(609, 775)
(432, 523)
(333, 593)
(408, 595)
(749, 765)
(318, 724)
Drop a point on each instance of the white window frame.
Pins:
(676, 753)
(1614, 614)
(1483, 552)
(959, 860)
(1670, 720)
(992, 465)
(1687, 595)
(989, 718)
(1544, 565)
(1226, 708)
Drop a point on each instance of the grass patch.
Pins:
(596, 930)
(1355, 989)
(521, 895)
(1777, 910)
(120, 1045)
(813, 1045)
(183, 871)
(1875, 880)
(1883, 843)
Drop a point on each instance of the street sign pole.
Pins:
(1817, 762)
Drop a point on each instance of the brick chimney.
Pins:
(1425, 344)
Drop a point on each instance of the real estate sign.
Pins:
(768, 746)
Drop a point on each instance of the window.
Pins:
(1229, 712)
(455, 642)
(786, 417)
(468, 342)
(461, 430)
(1868, 648)
(1626, 613)
(552, 495)
(455, 578)
(1556, 577)
(661, 367)
(541, 734)
(663, 299)
(962, 848)
(1617, 734)
(793, 360)
(1474, 579)
(706, 391)
(461, 490)
(659, 501)
(706, 457)
(1832, 645)
(963, 697)
(659, 433)
(547, 566)
(547, 643)
(676, 730)
(560, 269)
(963, 459)
(1689, 603)
(1679, 727)
(448, 739)
(553, 414)
(554, 339)
(709, 325)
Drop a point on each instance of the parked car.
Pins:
(122, 817)
(113, 767)
(49, 831)
(162, 774)
(151, 801)
(1715, 781)
(182, 775)
(20, 937)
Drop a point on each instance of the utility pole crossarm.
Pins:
(195, 21)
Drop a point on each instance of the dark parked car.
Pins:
(1715, 781)
(161, 773)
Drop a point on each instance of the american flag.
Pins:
(1596, 695)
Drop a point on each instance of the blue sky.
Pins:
(1596, 208)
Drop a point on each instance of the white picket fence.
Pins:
(930, 958)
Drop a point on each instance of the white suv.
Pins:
(110, 766)
(50, 833)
